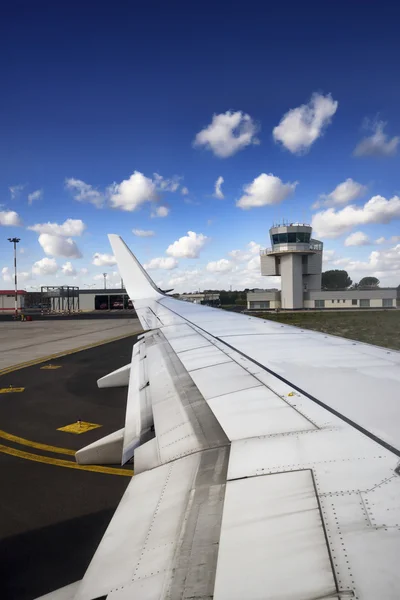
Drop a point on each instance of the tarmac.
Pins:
(24, 341)
(53, 512)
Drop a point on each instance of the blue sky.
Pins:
(286, 102)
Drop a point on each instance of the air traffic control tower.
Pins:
(296, 258)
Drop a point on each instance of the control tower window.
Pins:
(293, 237)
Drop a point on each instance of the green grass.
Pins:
(381, 328)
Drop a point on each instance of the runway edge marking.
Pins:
(43, 359)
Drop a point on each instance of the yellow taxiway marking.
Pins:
(50, 367)
(64, 463)
(24, 442)
(37, 361)
(11, 390)
(79, 427)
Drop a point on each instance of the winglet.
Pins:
(137, 282)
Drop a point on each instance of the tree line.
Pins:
(338, 279)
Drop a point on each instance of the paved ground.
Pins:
(29, 340)
(52, 517)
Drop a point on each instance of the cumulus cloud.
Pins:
(15, 190)
(68, 269)
(227, 133)
(45, 266)
(332, 223)
(6, 275)
(217, 190)
(162, 262)
(143, 232)
(220, 266)
(10, 218)
(300, 127)
(345, 192)
(103, 260)
(83, 192)
(252, 250)
(383, 264)
(57, 245)
(188, 246)
(358, 238)
(184, 191)
(133, 192)
(70, 228)
(33, 196)
(264, 190)
(166, 185)
(382, 240)
(377, 144)
(160, 211)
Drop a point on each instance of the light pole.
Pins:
(15, 241)
(105, 280)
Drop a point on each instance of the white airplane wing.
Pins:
(273, 471)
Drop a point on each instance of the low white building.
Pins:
(7, 301)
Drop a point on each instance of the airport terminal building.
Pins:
(296, 258)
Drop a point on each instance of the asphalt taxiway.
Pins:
(53, 512)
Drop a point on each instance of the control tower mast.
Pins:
(297, 258)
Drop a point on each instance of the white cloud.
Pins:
(15, 190)
(184, 191)
(264, 190)
(83, 192)
(228, 133)
(358, 238)
(393, 240)
(36, 195)
(6, 275)
(220, 266)
(252, 250)
(57, 245)
(68, 269)
(160, 211)
(300, 127)
(383, 264)
(378, 144)
(166, 185)
(345, 192)
(143, 232)
(10, 218)
(103, 260)
(70, 228)
(83, 271)
(133, 192)
(188, 246)
(218, 193)
(24, 276)
(331, 223)
(45, 266)
(162, 262)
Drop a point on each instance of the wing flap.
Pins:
(164, 533)
(272, 538)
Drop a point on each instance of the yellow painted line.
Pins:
(11, 390)
(37, 361)
(50, 367)
(79, 427)
(58, 462)
(24, 442)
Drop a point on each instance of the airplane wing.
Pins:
(272, 472)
